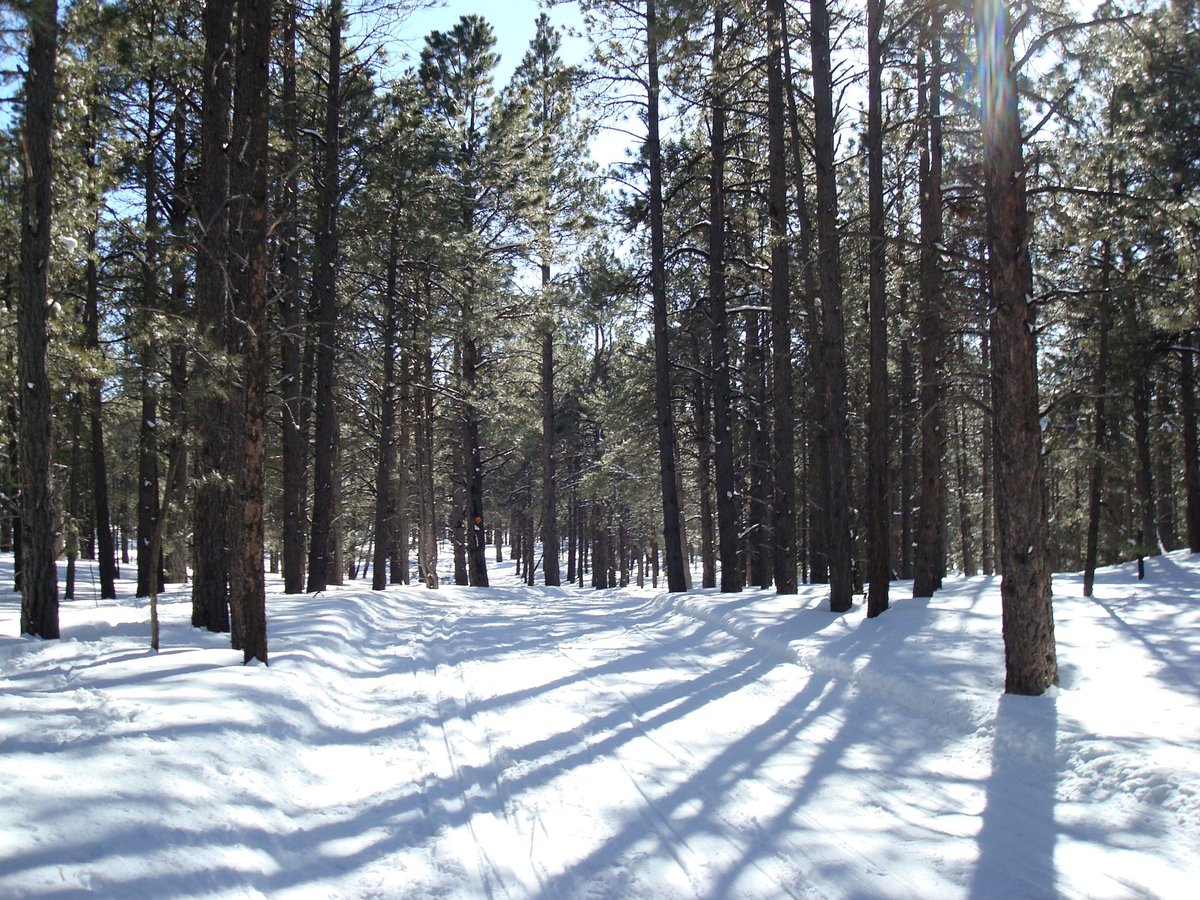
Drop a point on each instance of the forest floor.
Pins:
(531, 742)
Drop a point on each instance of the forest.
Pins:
(881, 292)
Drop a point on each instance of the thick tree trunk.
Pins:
(39, 582)
(838, 493)
(294, 411)
(724, 474)
(321, 567)
(817, 510)
(930, 552)
(210, 566)
(783, 508)
(1029, 647)
(249, 262)
(879, 516)
(665, 415)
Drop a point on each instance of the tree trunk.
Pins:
(386, 462)
(930, 551)
(676, 576)
(147, 470)
(549, 473)
(1165, 459)
(879, 516)
(838, 493)
(1191, 453)
(758, 531)
(249, 261)
(1099, 427)
(427, 549)
(724, 474)
(1148, 538)
(476, 523)
(783, 507)
(102, 514)
(1029, 647)
(817, 510)
(39, 581)
(210, 563)
(176, 530)
(704, 476)
(294, 412)
(324, 289)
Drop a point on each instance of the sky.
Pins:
(514, 24)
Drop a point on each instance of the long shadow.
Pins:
(1016, 840)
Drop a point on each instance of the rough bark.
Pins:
(838, 488)
(148, 428)
(294, 411)
(550, 569)
(39, 579)
(386, 460)
(664, 414)
(930, 552)
(724, 475)
(1191, 453)
(321, 566)
(878, 506)
(106, 548)
(1029, 647)
(210, 565)
(249, 263)
(817, 511)
(783, 458)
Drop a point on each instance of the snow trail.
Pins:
(528, 742)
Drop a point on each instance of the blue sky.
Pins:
(513, 21)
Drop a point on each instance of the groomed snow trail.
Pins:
(550, 743)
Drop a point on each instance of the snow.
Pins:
(533, 742)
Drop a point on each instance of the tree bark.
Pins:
(665, 415)
(294, 411)
(324, 287)
(1029, 647)
(210, 564)
(878, 506)
(838, 493)
(39, 577)
(386, 462)
(783, 507)
(249, 262)
(1191, 453)
(148, 428)
(724, 474)
(550, 568)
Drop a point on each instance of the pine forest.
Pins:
(875, 294)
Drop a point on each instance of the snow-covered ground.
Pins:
(531, 742)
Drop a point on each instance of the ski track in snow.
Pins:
(519, 742)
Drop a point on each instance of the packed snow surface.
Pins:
(534, 742)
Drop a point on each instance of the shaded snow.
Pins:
(532, 742)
